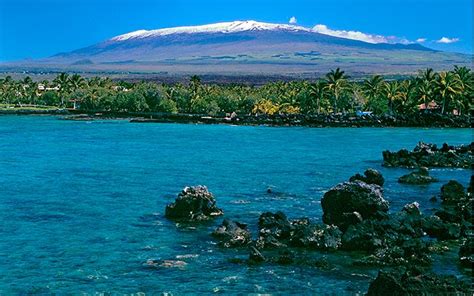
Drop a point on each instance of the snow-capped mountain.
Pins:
(244, 47)
(225, 27)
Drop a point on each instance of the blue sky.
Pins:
(40, 28)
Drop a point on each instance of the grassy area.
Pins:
(4, 107)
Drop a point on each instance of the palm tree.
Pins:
(94, 81)
(403, 102)
(63, 82)
(76, 82)
(336, 84)
(372, 88)
(466, 78)
(316, 94)
(425, 85)
(392, 93)
(195, 85)
(427, 75)
(424, 93)
(448, 86)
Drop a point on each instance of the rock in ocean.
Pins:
(193, 204)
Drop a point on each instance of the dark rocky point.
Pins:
(429, 155)
(193, 204)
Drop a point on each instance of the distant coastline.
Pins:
(427, 120)
(430, 99)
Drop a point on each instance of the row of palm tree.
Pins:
(334, 93)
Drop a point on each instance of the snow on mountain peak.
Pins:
(226, 27)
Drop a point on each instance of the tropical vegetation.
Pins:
(444, 92)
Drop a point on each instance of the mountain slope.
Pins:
(245, 47)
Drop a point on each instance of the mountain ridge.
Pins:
(242, 47)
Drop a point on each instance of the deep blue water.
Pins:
(82, 203)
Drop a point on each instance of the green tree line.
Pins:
(334, 93)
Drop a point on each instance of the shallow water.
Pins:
(82, 203)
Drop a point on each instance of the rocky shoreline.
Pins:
(356, 218)
(417, 120)
(308, 120)
(430, 155)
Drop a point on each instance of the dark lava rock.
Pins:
(341, 201)
(457, 210)
(317, 236)
(276, 231)
(416, 283)
(275, 225)
(418, 177)
(392, 240)
(457, 206)
(232, 234)
(412, 209)
(193, 204)
(371, 176)
(452, 192)
(429, 155)
(466, 253)
(256, 256)
(407, 253)
(435, 227)
(366, 236)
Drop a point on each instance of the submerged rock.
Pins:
(285, 257)
(193, 204)
(232, 234)
(371, 176)
(255, 256)
(348, 202)
(166, 263)
(416, 283)
(418, 177)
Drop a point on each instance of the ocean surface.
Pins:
(82, 203)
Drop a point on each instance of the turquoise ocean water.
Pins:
(82, 203)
